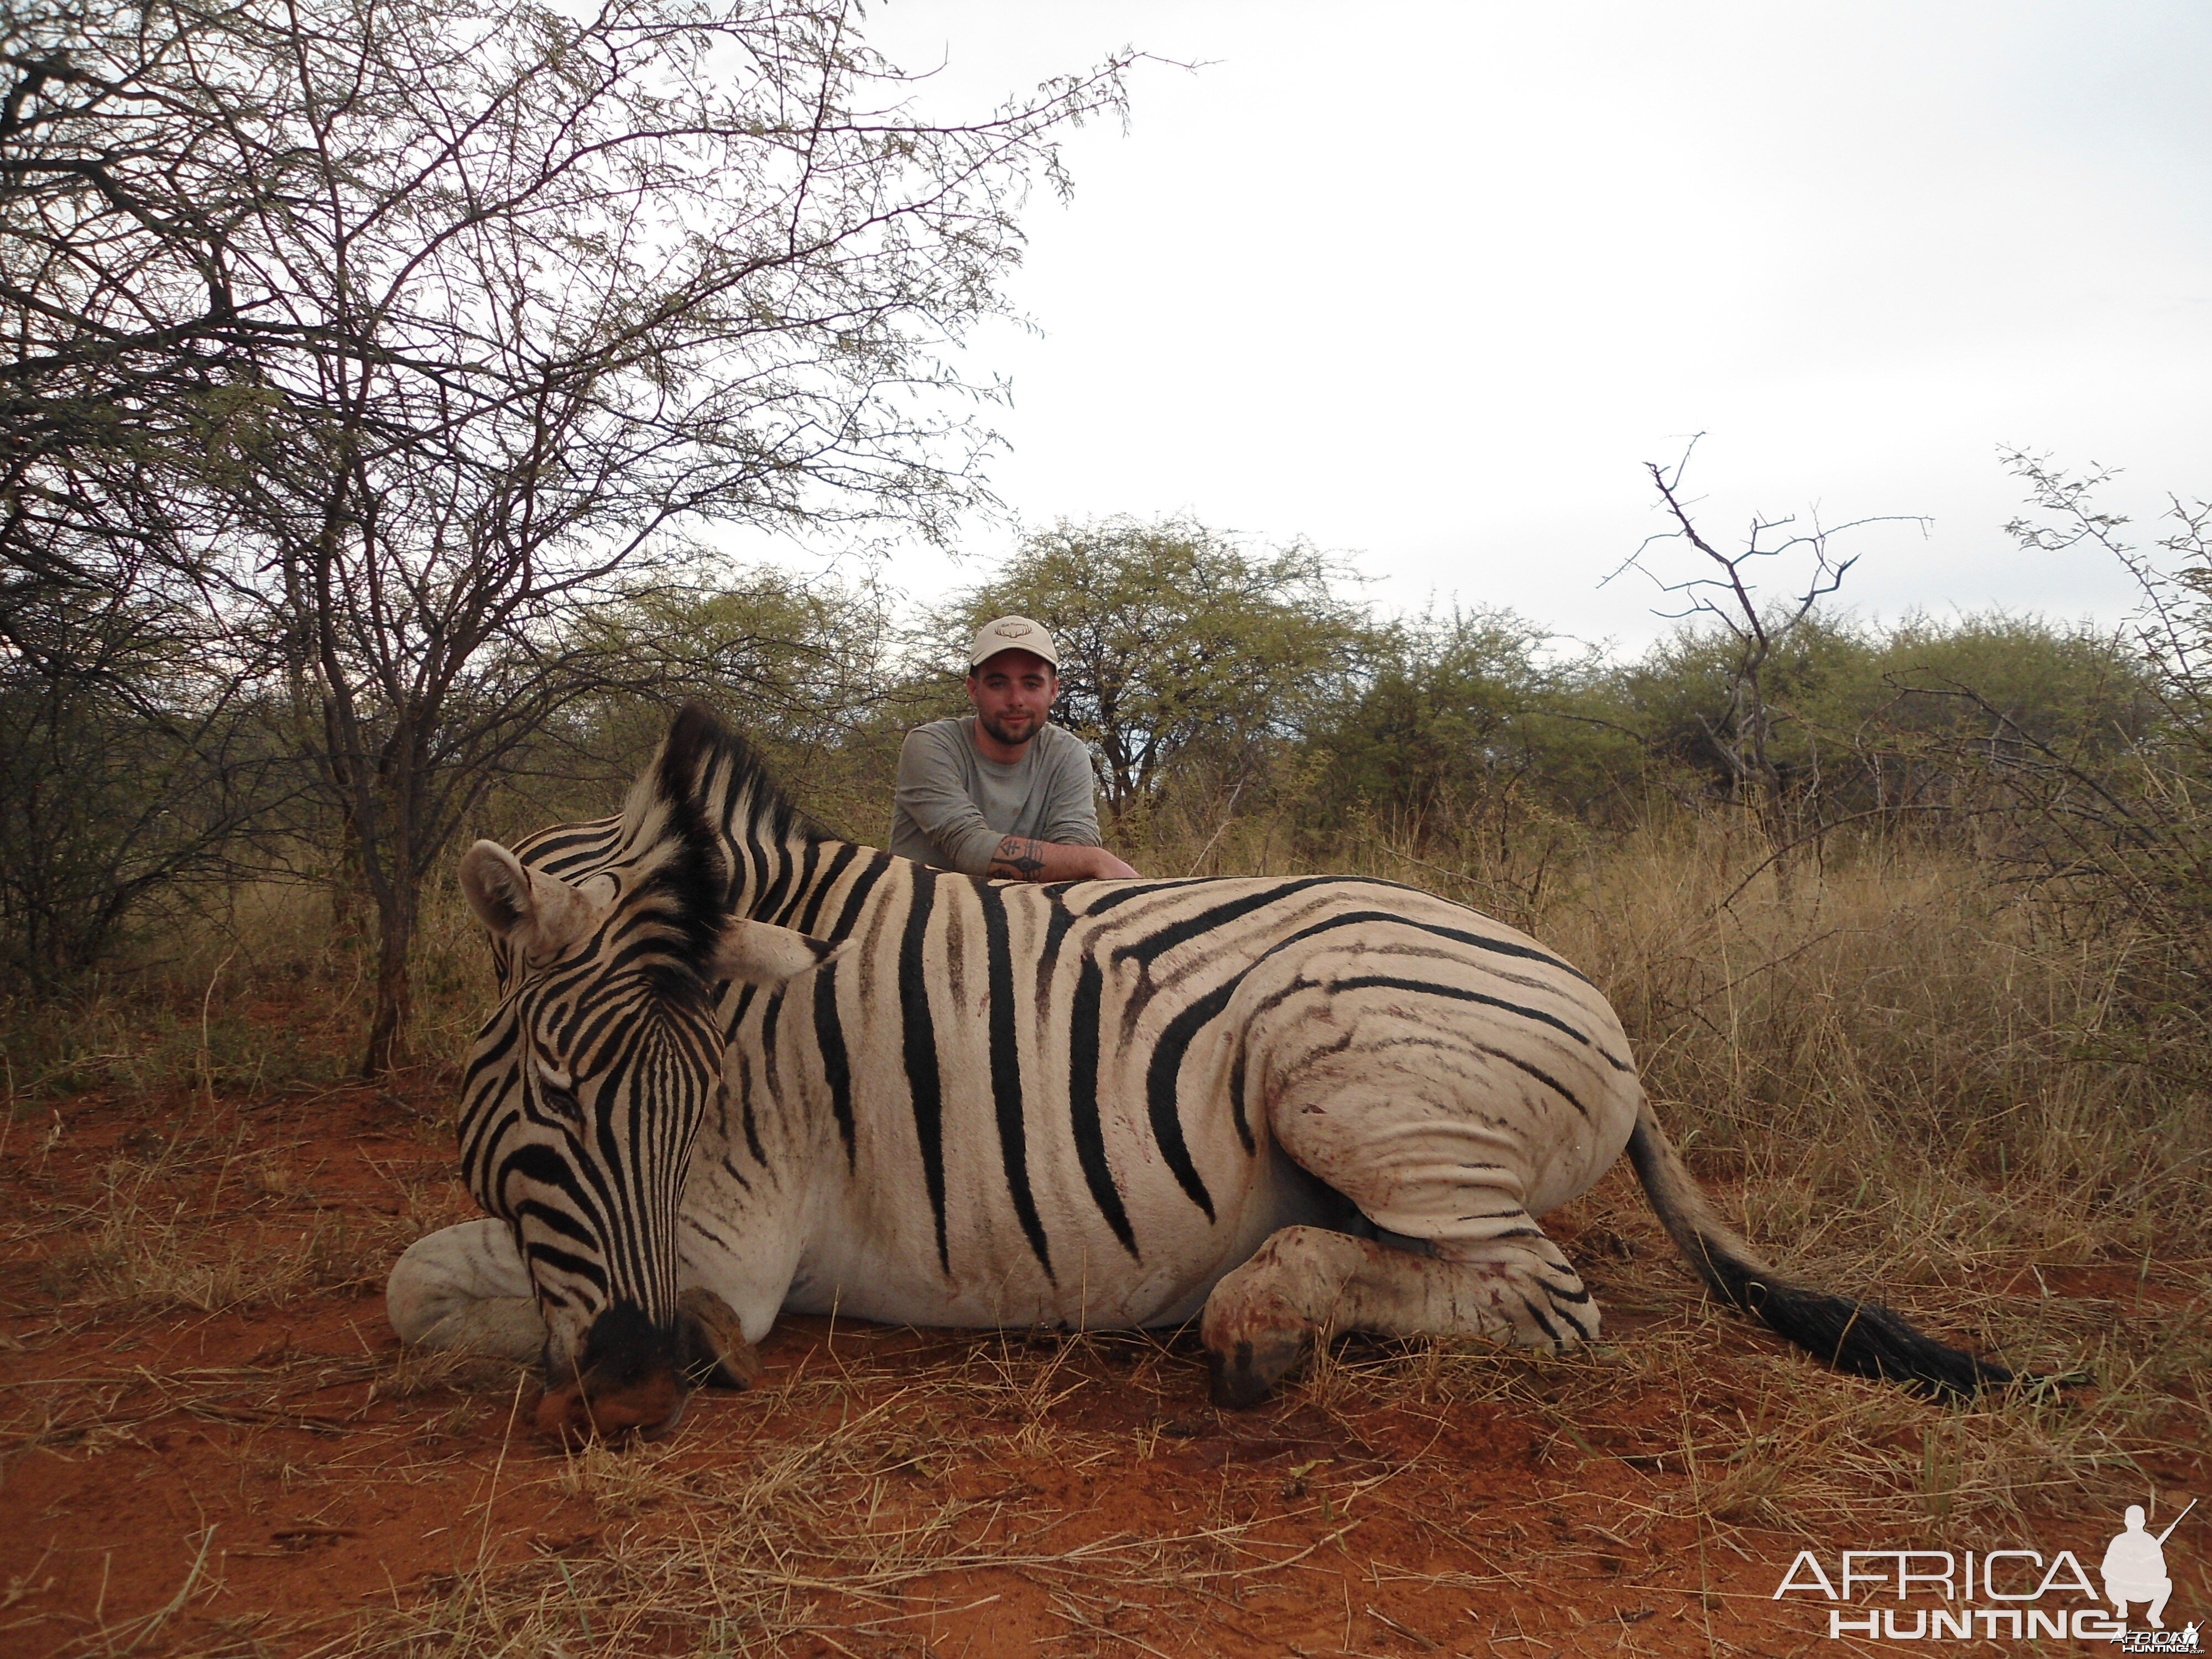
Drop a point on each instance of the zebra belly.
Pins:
(995, 1279)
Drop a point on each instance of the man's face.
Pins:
(1012, 692)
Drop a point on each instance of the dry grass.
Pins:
(206, 1214)
(259, 995)
(1899, 1030)
(848, 1514)
(849, 1511)
(882, 1493)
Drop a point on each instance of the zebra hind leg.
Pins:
(1306, 1283)
(464, 1289)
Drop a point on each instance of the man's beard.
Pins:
(1003, 735)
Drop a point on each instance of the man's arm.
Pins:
(1024, 858)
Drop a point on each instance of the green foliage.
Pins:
(2125, 828)
(416, 338)
(1870, 720)
(2041, 682)
(81, 841)
(1466, 708)
(804, 668)
(1180, 652)
(1236, 700)
(1913, 721)
(1676, 697)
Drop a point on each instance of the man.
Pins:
(1002, 792)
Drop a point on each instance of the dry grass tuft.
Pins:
(861, 1506)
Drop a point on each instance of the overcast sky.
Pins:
(1428, 283)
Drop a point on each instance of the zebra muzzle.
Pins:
(576, 1413)
(630, 1381)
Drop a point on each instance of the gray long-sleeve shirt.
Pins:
(954, 806)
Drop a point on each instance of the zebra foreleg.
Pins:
(714, 1346)
(463, 1288)
(1306, 1283)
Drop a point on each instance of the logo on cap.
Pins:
(1012, 634)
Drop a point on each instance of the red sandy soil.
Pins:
(269, 1476)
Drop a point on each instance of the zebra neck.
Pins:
(821, 888)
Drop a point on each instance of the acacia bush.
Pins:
(2113, 823)
(1465, 706)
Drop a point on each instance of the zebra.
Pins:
(739, 1066)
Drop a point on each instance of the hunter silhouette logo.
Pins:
(2135, 1567)
(2001, 1595)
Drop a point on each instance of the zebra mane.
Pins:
(705, 798)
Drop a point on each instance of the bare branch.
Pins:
(1724, 594)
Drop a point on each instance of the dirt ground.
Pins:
(211, 1443)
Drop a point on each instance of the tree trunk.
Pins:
(349, 885)
(1779, 824)
(387, 1027)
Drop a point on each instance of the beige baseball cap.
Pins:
(1012, 634)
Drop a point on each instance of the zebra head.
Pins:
(587, 1087)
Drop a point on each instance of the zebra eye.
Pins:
(558, 1095)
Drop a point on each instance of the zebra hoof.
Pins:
(1245, 1372)
(716, 1353)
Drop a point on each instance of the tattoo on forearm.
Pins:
(1019, 858)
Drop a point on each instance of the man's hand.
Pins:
(1024, 858)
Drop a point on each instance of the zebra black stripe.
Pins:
(925, 1083)
(836, 1065)
(1160, 1080)
(1006, 1072)
(1429, 988)
(812, 913)
(1157, 943)
(1083, 1101)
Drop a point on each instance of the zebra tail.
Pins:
(1863, 1338)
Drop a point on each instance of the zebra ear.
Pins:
(760, 953)
(537, 914)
